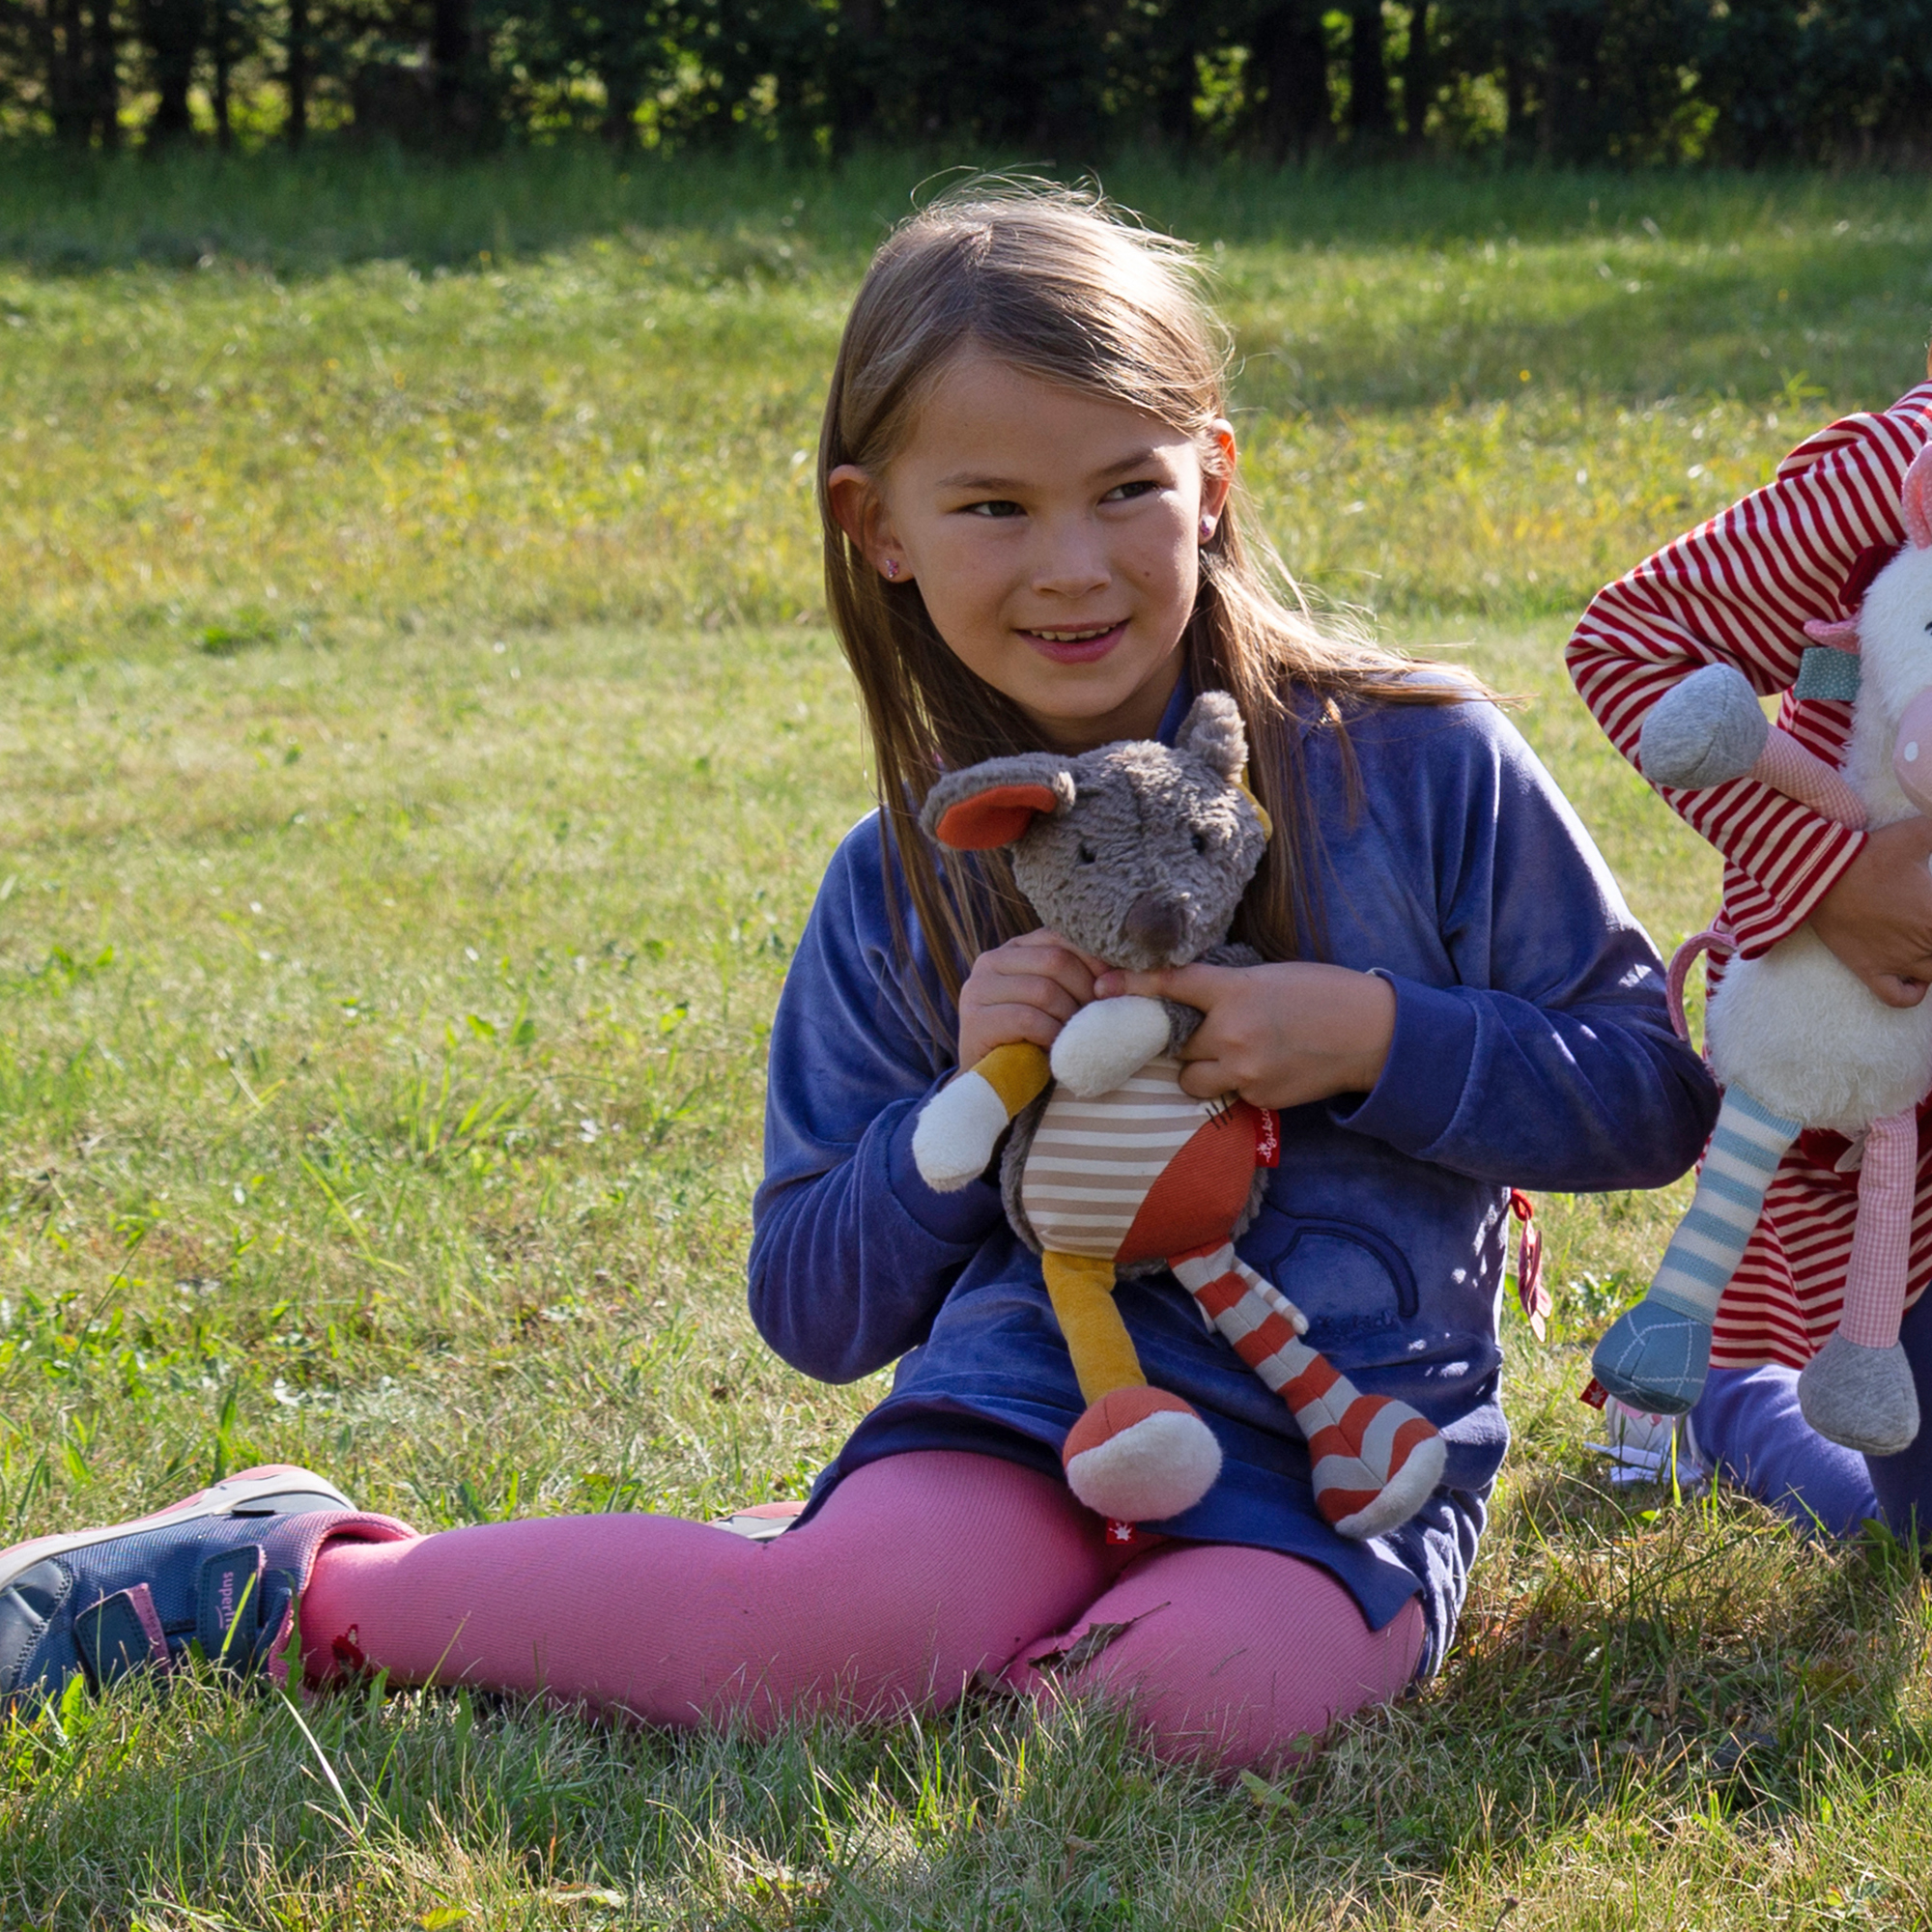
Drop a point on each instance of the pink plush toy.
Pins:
(1796, 1039)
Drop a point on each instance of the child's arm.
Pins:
(1514, 1027)
(853, 1247)
(852, 1252)
(1739, 590)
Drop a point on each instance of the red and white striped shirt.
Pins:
(1739, 590)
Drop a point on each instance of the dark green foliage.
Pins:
(1564, 82)
(1837, 79)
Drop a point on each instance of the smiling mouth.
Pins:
(1076, 644)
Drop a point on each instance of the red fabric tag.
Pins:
(1595, 1395)
(1268, 1137)
(1126, 1535)
(1530, 1288)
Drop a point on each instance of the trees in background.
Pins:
(1565, 81)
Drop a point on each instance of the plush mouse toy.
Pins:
(1797, 1039)
(1139, 856)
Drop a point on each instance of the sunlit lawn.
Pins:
(422, 746)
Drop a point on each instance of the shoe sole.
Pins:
(232, 1496)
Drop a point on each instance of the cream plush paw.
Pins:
(957, 1132)
(1140, 1455)
(1108, 1042)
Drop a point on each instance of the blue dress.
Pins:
(1532, 1049)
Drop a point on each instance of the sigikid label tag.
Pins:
(1268, 1137)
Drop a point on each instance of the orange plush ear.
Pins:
(996, 816)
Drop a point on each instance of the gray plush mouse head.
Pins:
(1137, 854)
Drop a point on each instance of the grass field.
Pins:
(423, 743)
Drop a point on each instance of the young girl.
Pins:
(1739, 590)
(1031, 541)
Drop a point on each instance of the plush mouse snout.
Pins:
(1157, 922)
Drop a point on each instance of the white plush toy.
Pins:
(1796, 1039)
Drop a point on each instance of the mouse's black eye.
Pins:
(1087, 854)
(1201, 841)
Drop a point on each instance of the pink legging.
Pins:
(921, 1572)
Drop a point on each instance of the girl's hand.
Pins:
(1279, 1036)
(1024, 990)
(1878, 918)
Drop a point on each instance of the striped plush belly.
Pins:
(1128, 1176)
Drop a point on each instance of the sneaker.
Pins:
(219, 1571)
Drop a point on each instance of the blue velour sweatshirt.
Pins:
(1532, 1049)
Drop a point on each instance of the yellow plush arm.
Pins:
(961, 1124)
(1017, 1072)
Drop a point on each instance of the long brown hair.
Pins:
(1057, 284)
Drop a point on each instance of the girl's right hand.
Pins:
(1878, 917)
(1024, 990)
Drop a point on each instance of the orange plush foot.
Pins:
(1141, 1455)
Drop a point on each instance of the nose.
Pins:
(1072, 561)
(1156, 921)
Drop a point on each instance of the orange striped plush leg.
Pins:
(1375, 1458)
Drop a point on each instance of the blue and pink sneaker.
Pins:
(219, 1571)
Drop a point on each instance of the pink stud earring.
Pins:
(892, 570)
(1206, 529)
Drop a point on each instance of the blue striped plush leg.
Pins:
(1656, 1354)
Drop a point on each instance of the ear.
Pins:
(1914, 499)
(1217, 470)
(996, 803)
(1212, 731)
(858, 509)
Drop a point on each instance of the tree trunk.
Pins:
(1290, 58)
(624, 64)
(1369, 123)
(294, 73)
(173, 32)
(449, 60)
(103, 76)
(63, 62)
(1515, 110)
(1179, 81)
(1417, 78)
(221, 37)
(852, 99)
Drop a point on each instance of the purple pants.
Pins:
(1748, 1424)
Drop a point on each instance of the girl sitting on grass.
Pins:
(1032, 541)
(1739, 590)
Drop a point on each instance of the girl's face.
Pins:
(1055, 538)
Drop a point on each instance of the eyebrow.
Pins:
(1138, 460)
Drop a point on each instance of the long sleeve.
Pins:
(1737, 590)
(1532, 1046)
(852, 1254)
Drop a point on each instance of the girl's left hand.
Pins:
(1279, 1036)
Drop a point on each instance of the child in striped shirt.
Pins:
(1739, 590)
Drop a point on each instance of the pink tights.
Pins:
(919, 1572)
